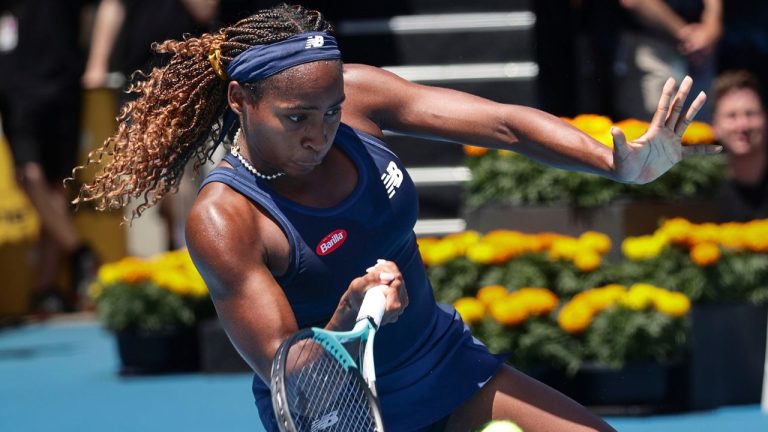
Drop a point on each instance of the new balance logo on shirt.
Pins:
(392, 178)
(314, 42)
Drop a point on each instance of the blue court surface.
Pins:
(61, 376)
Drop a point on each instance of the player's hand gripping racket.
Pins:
(317, 384)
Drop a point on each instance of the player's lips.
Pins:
(309, 164)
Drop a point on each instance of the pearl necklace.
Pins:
(235, 150)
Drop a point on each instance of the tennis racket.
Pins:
(317, 384)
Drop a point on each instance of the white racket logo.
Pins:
(325, 421)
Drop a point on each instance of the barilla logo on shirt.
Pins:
(331, 242)
(314, 42)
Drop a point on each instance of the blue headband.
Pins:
(262, 61)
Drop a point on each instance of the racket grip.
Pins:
(374, 304)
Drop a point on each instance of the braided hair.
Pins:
(176, 115)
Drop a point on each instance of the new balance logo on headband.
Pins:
(314, 42)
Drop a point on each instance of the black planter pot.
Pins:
(158, 351)
(727, 354)
(636, 389)
(217, 354)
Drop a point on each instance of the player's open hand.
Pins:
(646, 158)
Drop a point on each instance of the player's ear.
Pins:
(237, 96)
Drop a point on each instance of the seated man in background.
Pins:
(740, 126)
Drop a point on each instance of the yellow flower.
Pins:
(471, 309)
(134, 270)
(632, 128)
(704, 233)
(109, 274)
(440, 253)
(676, 230)
(639, 297)
(732, 236)
(538, 301)
(670, 303)
(596, 241)
(492, 293)
(587, 260)
(643, 247)
(602, 298)
(705, 254)
(698, 133)
(592, 124)
(509, 312)
(575, 317)
(463, 240)
(482, 253)
(564, 248)
(757, 236)
(605, 138)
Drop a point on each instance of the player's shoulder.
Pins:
(366, 76)
(218, 216)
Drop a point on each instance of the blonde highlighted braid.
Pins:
(177, 113)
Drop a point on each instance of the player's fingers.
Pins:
(701, 149)
(678, 102)
(619, 141)
(696, 105)
(662, 109)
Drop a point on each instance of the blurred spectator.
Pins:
(739, 122)
(123, 34)
(40, 97)
(664, 38)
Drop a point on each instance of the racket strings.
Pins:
(323, 395)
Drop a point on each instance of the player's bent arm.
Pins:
(228, 250)
(397, 104)
(236, 248)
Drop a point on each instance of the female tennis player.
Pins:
(309, 208)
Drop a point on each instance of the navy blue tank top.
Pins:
(332, 246)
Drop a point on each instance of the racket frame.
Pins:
(368, 320)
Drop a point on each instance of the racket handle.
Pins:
(374, 304)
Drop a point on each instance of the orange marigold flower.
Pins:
(471, 309)
(587, 260)
(463, 240)
(677, 230)
(596, 241)
(575, 317)
(632, 128)
(592, 124)
(705, 254)
(698, 133)
(482, 253)
(538, 301)
(674, 304)
(470, 150)
(492, 293)
(509, 312)
(564, 248)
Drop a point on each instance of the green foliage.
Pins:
(456, 278)
(620, 335)
(148, 307)
(737, 276)
(511, 179)
(526, 271)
